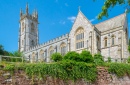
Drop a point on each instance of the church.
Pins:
(110, 38)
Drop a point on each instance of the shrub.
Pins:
(72, 56)
(98, 59)
(120, 69)
(86, 56)
(128, 60)
(109, 59)
(129, 48)
(56, 57)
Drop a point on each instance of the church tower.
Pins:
(28, 32)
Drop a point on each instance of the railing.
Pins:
(20, 59)
(11, 59)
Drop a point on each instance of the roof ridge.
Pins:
(110, 19)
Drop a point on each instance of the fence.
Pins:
(11, 58)
(20, 59)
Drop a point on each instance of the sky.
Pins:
(55, 17)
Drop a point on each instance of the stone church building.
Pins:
(110, 38)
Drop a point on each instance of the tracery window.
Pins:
(79, 38)
(63, 48)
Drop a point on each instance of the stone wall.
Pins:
(20, 78)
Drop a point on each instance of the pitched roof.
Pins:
(111, 23)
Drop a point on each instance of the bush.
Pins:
(98, 59)
(120, 69)
(86, 56)
(72, 56)
(56, 57)
(109, 59)
(129, 48)
(128, 60)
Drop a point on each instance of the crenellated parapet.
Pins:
(32, 17)
(65, 36)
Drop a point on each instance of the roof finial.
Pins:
(27, 8)
(21, 12)
(36, 13)
(79, 8)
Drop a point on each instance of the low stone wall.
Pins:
(104, 78)
(20, 78)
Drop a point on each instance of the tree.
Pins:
(56, 57)
(1, 50)
(17, 54)
(112, 3)
(86, 56)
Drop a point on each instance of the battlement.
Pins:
(29, 16)
(48, 42)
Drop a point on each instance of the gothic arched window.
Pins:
(32, 43)
(51, 50)
(42, 57)
(32, 27)
(33, 57)
(105, 42)
(63, 48)
(113, 39)
(79, 38)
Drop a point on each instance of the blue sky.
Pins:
(56, 17)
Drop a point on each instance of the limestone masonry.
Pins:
(110, 38)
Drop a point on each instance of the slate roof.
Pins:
(111, 23)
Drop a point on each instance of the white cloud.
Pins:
(72, 19)
(91, 20)
(66, 4)
(62, 22)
